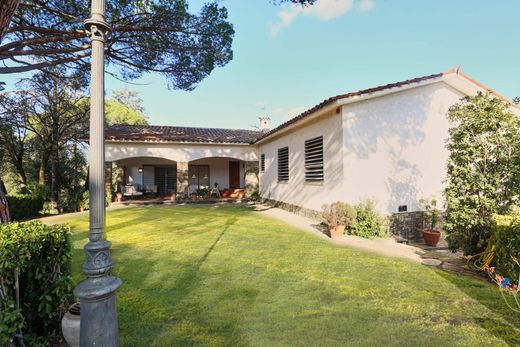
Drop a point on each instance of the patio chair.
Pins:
(131, 191)
(151, 189)
(215, 191)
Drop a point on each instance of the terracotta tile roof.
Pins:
(153, 133)
(333, 99)
(212, 135)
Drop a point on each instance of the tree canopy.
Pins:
(156, 35)
(483, 169)
(125, 107)
(146, 36)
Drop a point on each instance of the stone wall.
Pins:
(251, 175)
(182, 179)
(409, 225)
(312, 214)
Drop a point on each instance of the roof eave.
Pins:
(346, 101)
(179, 142)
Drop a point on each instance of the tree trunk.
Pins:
(43, 168)
(22, 177)
(8, 9)
(55, 186)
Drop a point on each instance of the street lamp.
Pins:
(97, 291)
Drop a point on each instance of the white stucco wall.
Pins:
(394, 146)
(219, 171)
(297, 191)
(184, 152)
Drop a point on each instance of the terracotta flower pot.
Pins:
(431, 237)
(336, 232)
(70, 325)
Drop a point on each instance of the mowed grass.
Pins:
(228, 276)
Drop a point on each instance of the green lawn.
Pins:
(227, 276)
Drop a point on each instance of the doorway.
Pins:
(234, 175)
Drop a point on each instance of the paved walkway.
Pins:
(439, 257)
(386, 246)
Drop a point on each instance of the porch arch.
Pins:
(116, 151)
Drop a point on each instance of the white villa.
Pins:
(386, 143)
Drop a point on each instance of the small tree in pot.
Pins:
(338, 216)
(431, 235)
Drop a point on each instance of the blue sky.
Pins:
(287, 60)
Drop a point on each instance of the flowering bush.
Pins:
(507, 286)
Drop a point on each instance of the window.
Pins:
(199, 175)
(262, 162)
(314, 160)
(283, 164)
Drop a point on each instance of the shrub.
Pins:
(84, 200)
(339, 213)
(432, 213)
(483, 169)
(24, 206)
(254, 195)
(39, 256)
(368, 222)
(506, 239)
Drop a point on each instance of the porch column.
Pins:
(182, 178)
(251, 175)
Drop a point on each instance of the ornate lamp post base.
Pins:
(98, 311)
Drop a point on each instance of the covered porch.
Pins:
(165, 179)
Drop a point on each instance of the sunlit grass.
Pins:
(227, 276)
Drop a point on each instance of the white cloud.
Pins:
(366, 5)
(324, 10)
(293, 112)
(285, 114)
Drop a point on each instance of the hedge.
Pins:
(41, 256)
(506, 238)
(24, 206)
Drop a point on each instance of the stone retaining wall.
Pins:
(409, 225)
(312, 214)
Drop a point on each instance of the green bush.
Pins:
(254, 195)
(339, 213)
(368, 222)
(506, 239)
(40, 256)
(24, 206)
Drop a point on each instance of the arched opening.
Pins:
(140, 176)
(231, 176)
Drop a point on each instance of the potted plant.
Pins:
(338, 216)
(70, 325)
(431, 235)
